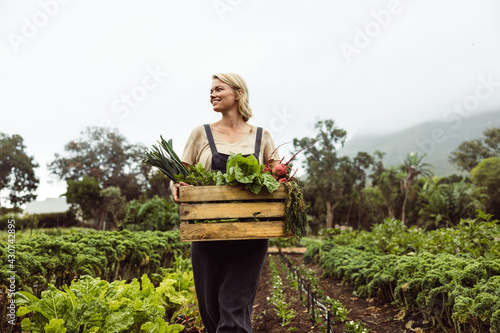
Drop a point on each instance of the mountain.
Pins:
(436, 139)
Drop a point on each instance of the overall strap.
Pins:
(210, 139)
(258, 141)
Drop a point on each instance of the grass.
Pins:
(27, 233)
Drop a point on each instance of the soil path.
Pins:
(378, 317)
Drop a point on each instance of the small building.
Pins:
(49, 206)
(51, 213)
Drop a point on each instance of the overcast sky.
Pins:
(144, 67)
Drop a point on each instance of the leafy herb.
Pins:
(248, 171)
(198, 176)
(295, 216)
(241, 170)
(164, 158)
(93, 305)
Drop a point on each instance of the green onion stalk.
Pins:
(165, 159)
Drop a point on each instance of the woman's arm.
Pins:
(174, 187)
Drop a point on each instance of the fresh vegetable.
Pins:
(295, 216)
(93, 305)
(241, 170)
(48, 259)
(248, 171)
(164, 158)
(281, 171)
(267, 166)
(198, 176)
(450, 275)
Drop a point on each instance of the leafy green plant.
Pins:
(295, 217)
(282, 243)
(93, 305)
(449, 274)
(153, 214)
(278, 298)
(337, 309)
(447, 204)
(244, 171)
(109, 255)
(165, 159)
(248, 171)
(199, 176)
(356, 327)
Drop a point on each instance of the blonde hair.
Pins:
(237, 83)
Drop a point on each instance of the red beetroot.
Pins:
(267, 168)
(280, 170)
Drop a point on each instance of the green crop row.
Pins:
(108, 255)
(452, 276)
(93, 305)
(479, 237)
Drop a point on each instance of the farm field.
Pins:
(376, 316)
(391, 279)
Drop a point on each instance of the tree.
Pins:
(361, 163)
(372, 207)
(86, 194)
(454, 178)
(17, 170)
(105, 155)
(487, 175)
(470, 153)
(159, 184)
(103, 205)
(322, 165)
(314, 207)
(445, 204)
(153, 214)
(413, 167)
(388, 182)
(113, 204)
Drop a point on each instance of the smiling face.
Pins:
(222, 96)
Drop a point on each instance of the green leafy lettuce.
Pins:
(239, 171)
(92, 305)
(248, 171)
(198, 176)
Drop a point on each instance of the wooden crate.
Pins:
(214, 202)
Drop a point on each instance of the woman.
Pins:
(226, 273)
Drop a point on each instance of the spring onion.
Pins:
(165, 159)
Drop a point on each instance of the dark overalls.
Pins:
(226, 273)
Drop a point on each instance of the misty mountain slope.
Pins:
(436, 139)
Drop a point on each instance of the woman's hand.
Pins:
(174, 188)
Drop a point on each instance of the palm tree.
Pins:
(448, 203)
(387, 182)
(412, 168)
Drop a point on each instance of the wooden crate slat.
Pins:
(209, 211)
(224, 193)
(232, 231)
